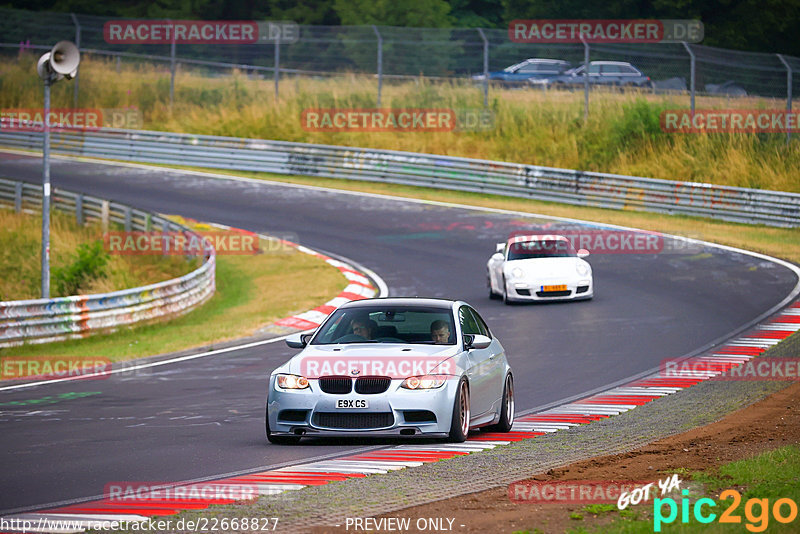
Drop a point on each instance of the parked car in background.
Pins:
(603, 73)
(531, 68)
(729, 88)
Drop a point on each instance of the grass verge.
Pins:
(78, 263)
(747, 490)
(252, 291)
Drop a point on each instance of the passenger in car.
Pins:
(440, 332)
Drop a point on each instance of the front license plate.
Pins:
(351, 403)
(562, 287)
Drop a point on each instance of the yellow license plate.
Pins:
(555, 288)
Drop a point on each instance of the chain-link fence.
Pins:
(394, 52)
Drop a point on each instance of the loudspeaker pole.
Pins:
(61, 62)
(46, 194)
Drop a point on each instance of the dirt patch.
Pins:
(771, 423)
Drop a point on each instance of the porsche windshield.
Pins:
(377, 324)
(541, 248)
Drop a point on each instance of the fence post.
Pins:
(127, 218)
(380, 62)
(172, 64)
(585, 80)
(18, 197)
(78, 44)
(788, 92)
(692, 67)
(485, 68)
(79, 208)
(277, 63)
(104, 209)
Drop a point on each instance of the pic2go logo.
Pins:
(757, 521)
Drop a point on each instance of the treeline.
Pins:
(753, 25)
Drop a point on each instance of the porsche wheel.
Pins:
(492, 294)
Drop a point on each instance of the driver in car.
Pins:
(364, 327)
(440, 332)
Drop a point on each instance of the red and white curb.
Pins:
(358, 287)
(79, 517)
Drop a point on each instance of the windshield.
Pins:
(387, 324)
(541, 248)
(514, 67)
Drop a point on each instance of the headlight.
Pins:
(423, 382)
(582, 269)
(516, 272)
(292, 382)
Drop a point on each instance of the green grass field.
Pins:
(252, 290)
(622, 135)
(20, 260)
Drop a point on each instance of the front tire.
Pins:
(279, 440)
(492, 294)
(505, 293)
(459, 426)
(507, 411)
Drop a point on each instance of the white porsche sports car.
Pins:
(539, 268)
(392, 367)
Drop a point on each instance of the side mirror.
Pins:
(582, 253)
(297, 341)
(499, 247)
(476, 341)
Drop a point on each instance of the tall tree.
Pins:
(431, 13)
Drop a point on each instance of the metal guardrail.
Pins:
(53, 319)
(613, 191)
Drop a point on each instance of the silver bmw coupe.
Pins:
(393, 367)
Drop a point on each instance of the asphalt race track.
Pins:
(206, 416)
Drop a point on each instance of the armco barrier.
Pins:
(509, 179)
(45, 320)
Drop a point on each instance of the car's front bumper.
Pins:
(396, 412)
(524, 290)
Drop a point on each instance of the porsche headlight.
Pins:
(423, 382)
(516, 272)
(582, 268)
(292, 382)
